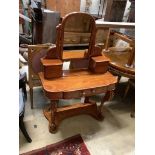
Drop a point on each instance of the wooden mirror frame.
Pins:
(53, 61)
(57, 52)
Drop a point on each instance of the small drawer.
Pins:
(76, 94)
(52, 68)
(99, 64)
(98, 90)
(72, 94)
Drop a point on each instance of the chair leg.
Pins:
(22, 128)
(31, 97)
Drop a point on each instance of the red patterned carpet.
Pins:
(70, 146)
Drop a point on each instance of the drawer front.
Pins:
(54, 96)
(99, 90)
(83, 93)
(77, 94)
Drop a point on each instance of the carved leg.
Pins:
(22, 128)
(31, 97)
(108, 96)
(52, 124)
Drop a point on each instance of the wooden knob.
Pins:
(93, 90)
(84, 93)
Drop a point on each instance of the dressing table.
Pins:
(91, 78)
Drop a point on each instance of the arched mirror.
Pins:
(76, 28)
(76, 31)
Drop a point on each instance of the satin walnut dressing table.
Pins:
(93, 78)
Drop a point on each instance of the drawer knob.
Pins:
(93, 90)
(84, 93)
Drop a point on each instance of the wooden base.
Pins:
(56, 117)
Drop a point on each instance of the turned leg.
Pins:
(52, 124)
(22, 128)
(31, 97)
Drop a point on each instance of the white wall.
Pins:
(93, 8)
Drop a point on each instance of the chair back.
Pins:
(35, 52)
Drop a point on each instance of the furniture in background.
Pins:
(44, 26)
(131, 83)
(113, 10)
(68, 6)
(131, 17)
(22, 99)
(81, 82)
(122, 61)
(35, 52)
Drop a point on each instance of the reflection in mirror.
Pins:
(77, 32)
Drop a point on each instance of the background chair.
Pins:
(121, 58)
(22, 99)
(35, 52)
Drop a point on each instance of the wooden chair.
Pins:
(122, 58)
(35, 52)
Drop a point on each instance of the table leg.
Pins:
(108, 96)
(53, 124)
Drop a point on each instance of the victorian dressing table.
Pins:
(91, 78)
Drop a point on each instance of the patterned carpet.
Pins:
(70, 146)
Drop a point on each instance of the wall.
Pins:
(93, 8)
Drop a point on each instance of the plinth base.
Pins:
(56, 117)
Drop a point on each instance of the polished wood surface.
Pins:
(85, 85)
(89, 77)
(118, 63)
(83, 82)
(99, 64)
(70, 54)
